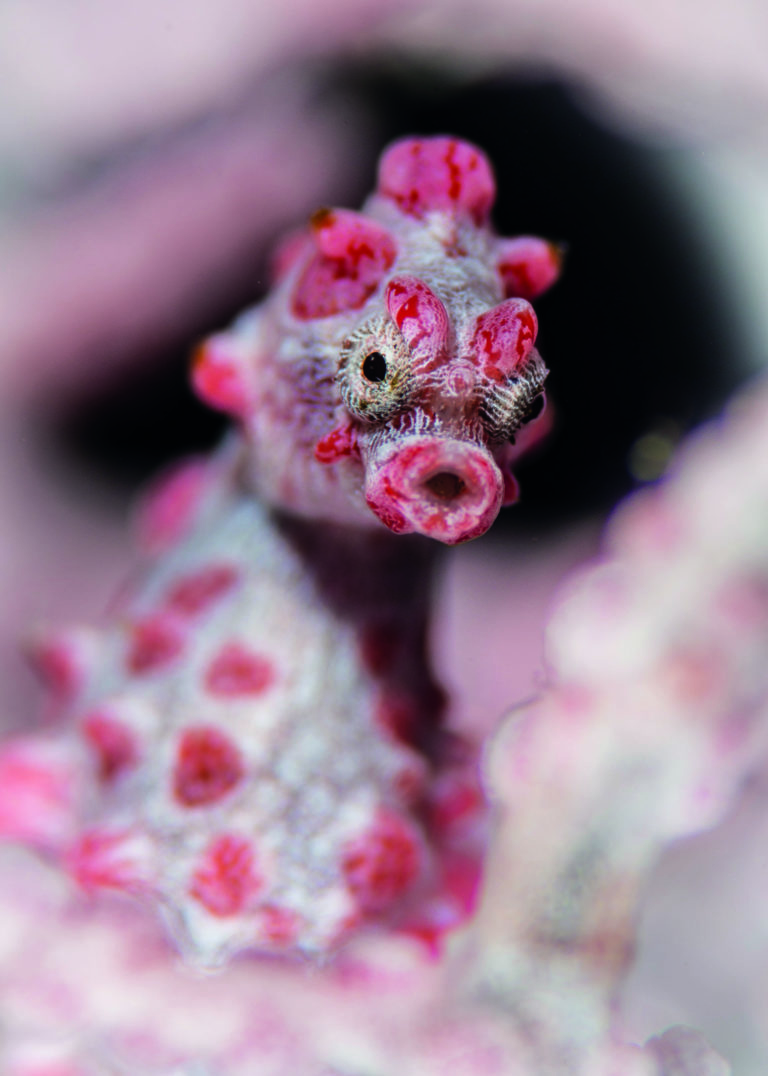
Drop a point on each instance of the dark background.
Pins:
(635, 334)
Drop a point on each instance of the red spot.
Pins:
(422, 175)
(340, 442)
(237, 671)
(107, 859)
(380, 645)
(380, 865)
(353, 256)
(511, 493)
(503, 337)
(171, 504)
(219, 376)
(226, 879)
(421, 318)
(113, 742)
(208, 766)
(528, 266)
(389, 515)
(194, 593)
(278, 926)
(399, 715)
(155, 643)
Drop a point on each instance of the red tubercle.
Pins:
(528, 265)
(115, 746)
(208, 766)
(353, 255)
(197, 591)
(109, 859)
(380, 865)
(170, 505)
(237, 672)
(503, 337)
(339, 444)
(426, 174)
(421, 317)
(220, 377)
(226, 879)
(154, 644)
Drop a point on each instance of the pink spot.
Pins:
(380, 865)
(109, 859)
(338, 444)
(278, 926)
(425, 174)
(171, 505)
(219, 376)
(37, 794)
(196, 592)
(208, 766)
(62, 660)
(237, 671)
(503, 338)
(226, 879)
(421, 318)
(528, 266)
(353, 256)
(113, 742)
(155, 643)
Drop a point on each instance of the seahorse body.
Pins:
(255, 742)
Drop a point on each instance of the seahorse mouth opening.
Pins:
(446, 486)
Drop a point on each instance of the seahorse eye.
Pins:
(375, 367)
(535, 409)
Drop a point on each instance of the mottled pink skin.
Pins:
(256, 741)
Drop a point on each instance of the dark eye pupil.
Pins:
(535, 409)
(375, 367)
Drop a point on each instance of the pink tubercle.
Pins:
(220, 377)
(422, 319)
(195, 592)
(353, 256)
(445, 489)
(226, 879)
(114, 745)
(528, 265)
(62, 659)
(503, 338)
(277, 926)
(422, 175)
(155, 643)
(170, 506)
(288, 253)
(340, 443)
(208, 766)
(236, 671)
(381, 864)
(37, 794)
(109, 859)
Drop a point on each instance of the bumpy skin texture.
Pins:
(255, 743)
